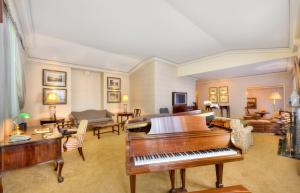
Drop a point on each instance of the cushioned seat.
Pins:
(93, 116)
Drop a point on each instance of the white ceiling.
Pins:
(133, 30)
(282, 65)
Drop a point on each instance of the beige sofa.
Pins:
(93, 116)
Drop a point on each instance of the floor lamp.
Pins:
(275, 96)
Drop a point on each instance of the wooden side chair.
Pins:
(137, 112)
(75, 141)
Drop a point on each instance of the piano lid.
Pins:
(178, 124)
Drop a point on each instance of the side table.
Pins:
(48, 121)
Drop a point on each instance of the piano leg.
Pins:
(219, 174)
(172, 178)
(182, 175)
(132, 183)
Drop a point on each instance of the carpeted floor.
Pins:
(262, 171)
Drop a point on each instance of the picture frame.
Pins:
(113, 96)
(54, 78)
(252, 103)
(224, 99)
(213, 91)
(223, 90)
(213, 98)
(61, 93)
(113, 83)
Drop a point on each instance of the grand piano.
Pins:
(175, 143)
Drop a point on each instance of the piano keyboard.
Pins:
(182, 156)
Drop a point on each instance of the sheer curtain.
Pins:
(296, 74)
(11, 73)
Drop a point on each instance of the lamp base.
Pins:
(52, 112)
(125, 108)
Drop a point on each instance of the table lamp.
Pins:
(15, 121)
(274, 96)
(125, 100)
(52, 100)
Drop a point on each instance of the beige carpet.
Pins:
(262, 171)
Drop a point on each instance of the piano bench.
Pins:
(229, 189)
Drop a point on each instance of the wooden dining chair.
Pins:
(137, 112)
(75, 141)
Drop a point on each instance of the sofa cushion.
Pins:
(93, 116)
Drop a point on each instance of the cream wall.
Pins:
(115, 107)
(262, 96)
(167, 81)
(142, 83)
(34, 92)
(152, 84)
(86, 90)
(238, 87)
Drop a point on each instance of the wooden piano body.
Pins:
(189, 133)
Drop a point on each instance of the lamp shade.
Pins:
(52, 98)
(24, 115)
(275, 96)
(125, 98)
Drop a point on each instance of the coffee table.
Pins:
(99, 126)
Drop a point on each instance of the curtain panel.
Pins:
(296, 74)
(12, 87)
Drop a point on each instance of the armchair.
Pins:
(241, 135)
(75, 141)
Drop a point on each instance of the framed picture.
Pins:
(54, 78)
(213, 98)
(213, 91)
(113, 96)
(251, 103)
(223, 90)
(60, 93)
(224, 99)
(113, 83)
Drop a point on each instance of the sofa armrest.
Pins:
(109, 114)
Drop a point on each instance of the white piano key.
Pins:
(163, 158)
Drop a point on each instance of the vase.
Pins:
(295, 98)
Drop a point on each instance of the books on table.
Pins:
(42, 130)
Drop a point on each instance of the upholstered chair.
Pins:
(241, 135)
(75, 141)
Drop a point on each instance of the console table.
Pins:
(35, 151)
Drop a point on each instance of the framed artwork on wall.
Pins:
(213, 98)
(113, 83)
(213, 91)
(61, 95)
(251, 103)
(113, 96)
(223, 90)
(224, 99)
(54, 78)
